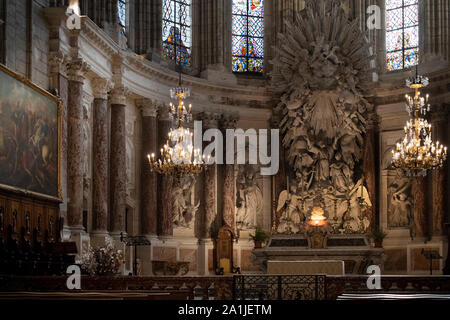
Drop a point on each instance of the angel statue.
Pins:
(292, 218)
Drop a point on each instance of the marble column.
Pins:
(149, 179)
(165, 200)
(209, 121)
(439, 122)
(118, 175)
(101, 87)
(76, 70)
(420, 226)
(229, 192)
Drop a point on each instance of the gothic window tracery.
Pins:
(402, 34)
(176, 31)
(122, 14)
(248, 36)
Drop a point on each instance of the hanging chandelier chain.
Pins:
(177, 156)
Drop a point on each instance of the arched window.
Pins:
(402, 34)
(176, 31)
(248, 36)
(122, 12)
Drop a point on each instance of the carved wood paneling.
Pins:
(21, 212)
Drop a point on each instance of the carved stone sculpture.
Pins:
(184, 210)
(321, 72)
(400, 203)
(249, 198)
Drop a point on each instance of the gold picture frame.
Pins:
(43, 141)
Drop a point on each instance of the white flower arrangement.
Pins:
(102, 261)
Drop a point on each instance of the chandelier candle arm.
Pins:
(417, 153)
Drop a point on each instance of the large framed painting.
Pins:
(30, 137)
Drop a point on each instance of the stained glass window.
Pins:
(402, 34)
(248, 36)
(122, 10)
(176, 31)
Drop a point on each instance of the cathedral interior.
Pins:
(198, 144)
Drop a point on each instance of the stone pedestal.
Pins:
(204, 246)
(118, 178)
(354, 250)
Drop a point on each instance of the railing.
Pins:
(241, 287)
(279, 287)
(199, 288)
(339, 285)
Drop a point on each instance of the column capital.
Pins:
(163, 112)
(229, 121)
(101, 87)
(119, 95)
(57, 62)
(77, 70)
(210, 120)
(147, 107)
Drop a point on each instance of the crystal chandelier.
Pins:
(417, 153)
(178, 156)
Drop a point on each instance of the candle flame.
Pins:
(75, 6)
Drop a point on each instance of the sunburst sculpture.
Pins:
(321, 71)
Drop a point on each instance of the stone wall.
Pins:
(26, 40)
